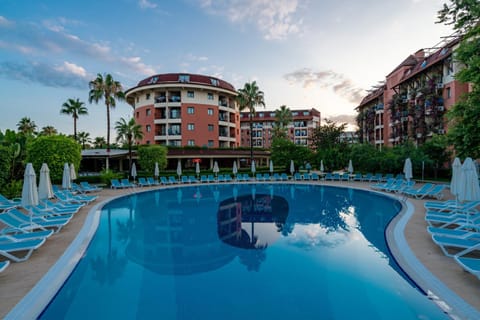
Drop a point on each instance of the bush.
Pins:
(5, 165)
(55, 151)
(13, 189)
(107, 175)
(148, 155)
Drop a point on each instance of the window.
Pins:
(148, 112)
(210, 143)
(260, 114)
(449, 92)
(210, 111)
(191, 110)
(190, 94)
(210, 127)
(191, 143)
(210, 96)
(214, 82)
(138, 99)
(184, 78)
(306, 113)
(148, 141)
(190, 126)
(148, 128)
(138, 114)
(148, 96)
(294, 113)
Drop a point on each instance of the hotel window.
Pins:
(191, 143)
(210, 127)
(148, 96)
(138, 114)
(190, 94)
(210, 143)
(148, 128)
(184, 78)
(214, 82)
(210, 111)
(190, 126)
(191, 110)
(148, 112)
(210, 96)
(449, 92)
(138, 99)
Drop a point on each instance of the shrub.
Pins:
(148, 155)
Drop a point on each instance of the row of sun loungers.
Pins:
(26, 228)
(407, 188)
(455, 228)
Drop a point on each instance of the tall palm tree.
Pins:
(110, 90)
(283, 117)
(48, 131)
(83, 138)
(128, 133)
(249, 97)
(74, 108)
(99, 142)
(26, 126)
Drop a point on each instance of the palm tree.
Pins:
(283, 117)
(248, 98)
(48, 131)
(110, 90)
(128, 133)
(74, 108)
(26, 126)
(99, 142)
(83, 138)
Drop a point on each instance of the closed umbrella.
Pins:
(66, 178)
(197, 168)
(179, 168)
(156, 171)
(235, 170)
(179, 196)
(253, 167)
(235, 193)
(45, 190)
(469, 189)
(407, 169)
(29, 190)
(321, 166)
(215, 168)
(271, 167)
(133, 171)
(73, 174)
(456, 175)
(350, 166)
(292, 167)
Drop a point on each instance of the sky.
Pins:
(304, 54)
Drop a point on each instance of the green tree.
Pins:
(248, 98)
(110, 91)
(326, 139)
(75, 108)
(128, 133)
(437, 152)
(83, 138)
(48, 131)
(27, 126)
(283, 117)
(149, 154)
(99, 142)
(464, 116)
(284, 150)
(54, 151)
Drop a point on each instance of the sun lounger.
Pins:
(203, 179)
(435, 192)
(142, 182)
(464, 231)
(451, 205)
(62, 205)
(328, 176)
(4, 265)
(49, 213)
(172, 180)
(469, 264)
(22, 223)
(20, 236)
(345, 177)
(228, 178)
(211, 178)
(115, 184)
(400, 187)
(192, 179)
(315, 176)
(368, 177)
(447, 243)
(152, 181)
(37, 218)
(284, 176)
(88, 187)
(383, 185)
(11, 249)
(418, 192)
(164, 181)
(127, 184)
(444, 220)
(221, 178)
(184, 179)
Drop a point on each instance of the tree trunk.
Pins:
(75, 128)
(108, 137)
(251, 138)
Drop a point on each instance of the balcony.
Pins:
(175, 98)
(160, 99)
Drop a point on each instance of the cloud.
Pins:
(52, 40)
(67, 75)
(276, 20)
(4, 22)
(145, 4)
(327, 79)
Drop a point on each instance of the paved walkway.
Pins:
(17, 280)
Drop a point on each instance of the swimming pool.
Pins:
(247, 250)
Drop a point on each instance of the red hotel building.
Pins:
(181, 109)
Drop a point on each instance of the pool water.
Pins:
(242, 251)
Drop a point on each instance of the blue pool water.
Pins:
(242, 252)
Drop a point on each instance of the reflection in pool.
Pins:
(236, 251)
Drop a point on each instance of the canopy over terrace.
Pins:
(93, 160)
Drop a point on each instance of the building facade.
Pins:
(299, 130)
(181, 109)
(410, 104)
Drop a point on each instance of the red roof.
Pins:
(192, 79)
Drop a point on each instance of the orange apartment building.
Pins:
(410, 104)
(181, 109)
(299, 130)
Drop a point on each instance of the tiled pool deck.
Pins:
(432, 269)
